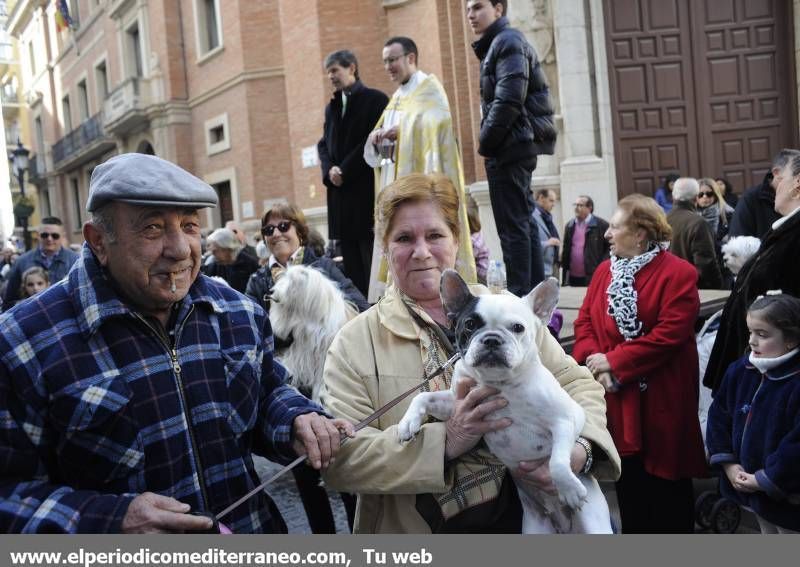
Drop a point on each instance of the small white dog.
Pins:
(495, 336)
(307, 310)
(738, 250)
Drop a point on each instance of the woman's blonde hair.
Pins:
(714, 186)
(644, 213)
(415, 188)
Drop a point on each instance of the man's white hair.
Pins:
(685, 189)
(225, 239)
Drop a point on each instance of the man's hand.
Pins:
(390, 134)
(597, 363)
(380, 134)
(151, 513)
(318, 437)
(468, 424)
(536, 474)
(335, 175)
(553, 241)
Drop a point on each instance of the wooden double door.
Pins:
(703, 88)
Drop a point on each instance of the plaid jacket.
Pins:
(96, 408)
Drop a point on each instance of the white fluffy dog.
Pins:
(738, 250)
(307, 311)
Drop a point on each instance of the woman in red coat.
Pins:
(635, 332)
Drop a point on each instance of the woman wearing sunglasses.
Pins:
(287, 236)
(717, 213)
(286, 233)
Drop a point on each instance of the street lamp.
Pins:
(19, 162)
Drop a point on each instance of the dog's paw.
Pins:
(409, 426)
(572, 493)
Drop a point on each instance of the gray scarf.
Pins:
(711, 216)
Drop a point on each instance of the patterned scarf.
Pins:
(622, 295)
(477, 475)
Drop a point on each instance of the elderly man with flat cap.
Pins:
(134, 392)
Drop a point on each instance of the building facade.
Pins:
(234, 91)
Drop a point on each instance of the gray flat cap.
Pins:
(142, 179)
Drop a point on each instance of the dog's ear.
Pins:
(455, 293)
(543, 299)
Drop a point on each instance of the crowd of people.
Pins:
(139, 375)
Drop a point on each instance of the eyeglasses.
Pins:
(53, 235)
(269, 229)
(391, 60)
(579, 205)
(705, 194)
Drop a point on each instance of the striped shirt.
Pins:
(97, 407)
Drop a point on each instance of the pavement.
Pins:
(284, 492)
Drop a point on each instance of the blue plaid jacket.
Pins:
(96, 408)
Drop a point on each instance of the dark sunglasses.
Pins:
(269, 229)
(53, 235)
(705, 194)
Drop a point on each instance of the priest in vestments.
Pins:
(416, 132)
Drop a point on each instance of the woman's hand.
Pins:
(468, 424)
(608, 381)
(597, 363)
(741, 480)
(536, 474)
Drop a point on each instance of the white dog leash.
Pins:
(361, 425)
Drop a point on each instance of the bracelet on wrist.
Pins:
(587, 446)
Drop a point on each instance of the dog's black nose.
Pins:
(491, 341)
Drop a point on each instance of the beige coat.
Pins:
(376, 357)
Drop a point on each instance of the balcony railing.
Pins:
(124, 109)
(82, 137)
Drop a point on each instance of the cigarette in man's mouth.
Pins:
(173, 288)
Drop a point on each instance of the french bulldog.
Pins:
(495, 335)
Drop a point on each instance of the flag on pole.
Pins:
(63, 19)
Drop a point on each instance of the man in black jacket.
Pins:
(755, 212)
(349, 118)
(517, 126)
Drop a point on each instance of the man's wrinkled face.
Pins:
(341, 78)
(50, 237)
(582, 209)
(152, 249)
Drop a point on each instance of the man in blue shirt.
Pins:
(50, 255)
(137, 389)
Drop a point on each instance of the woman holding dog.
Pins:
(635, 332)
(444, 480)
(286, 232)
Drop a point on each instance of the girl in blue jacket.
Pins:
(754, 421)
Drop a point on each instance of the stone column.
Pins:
(587, 165)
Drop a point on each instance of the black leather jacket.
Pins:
(515, 100)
